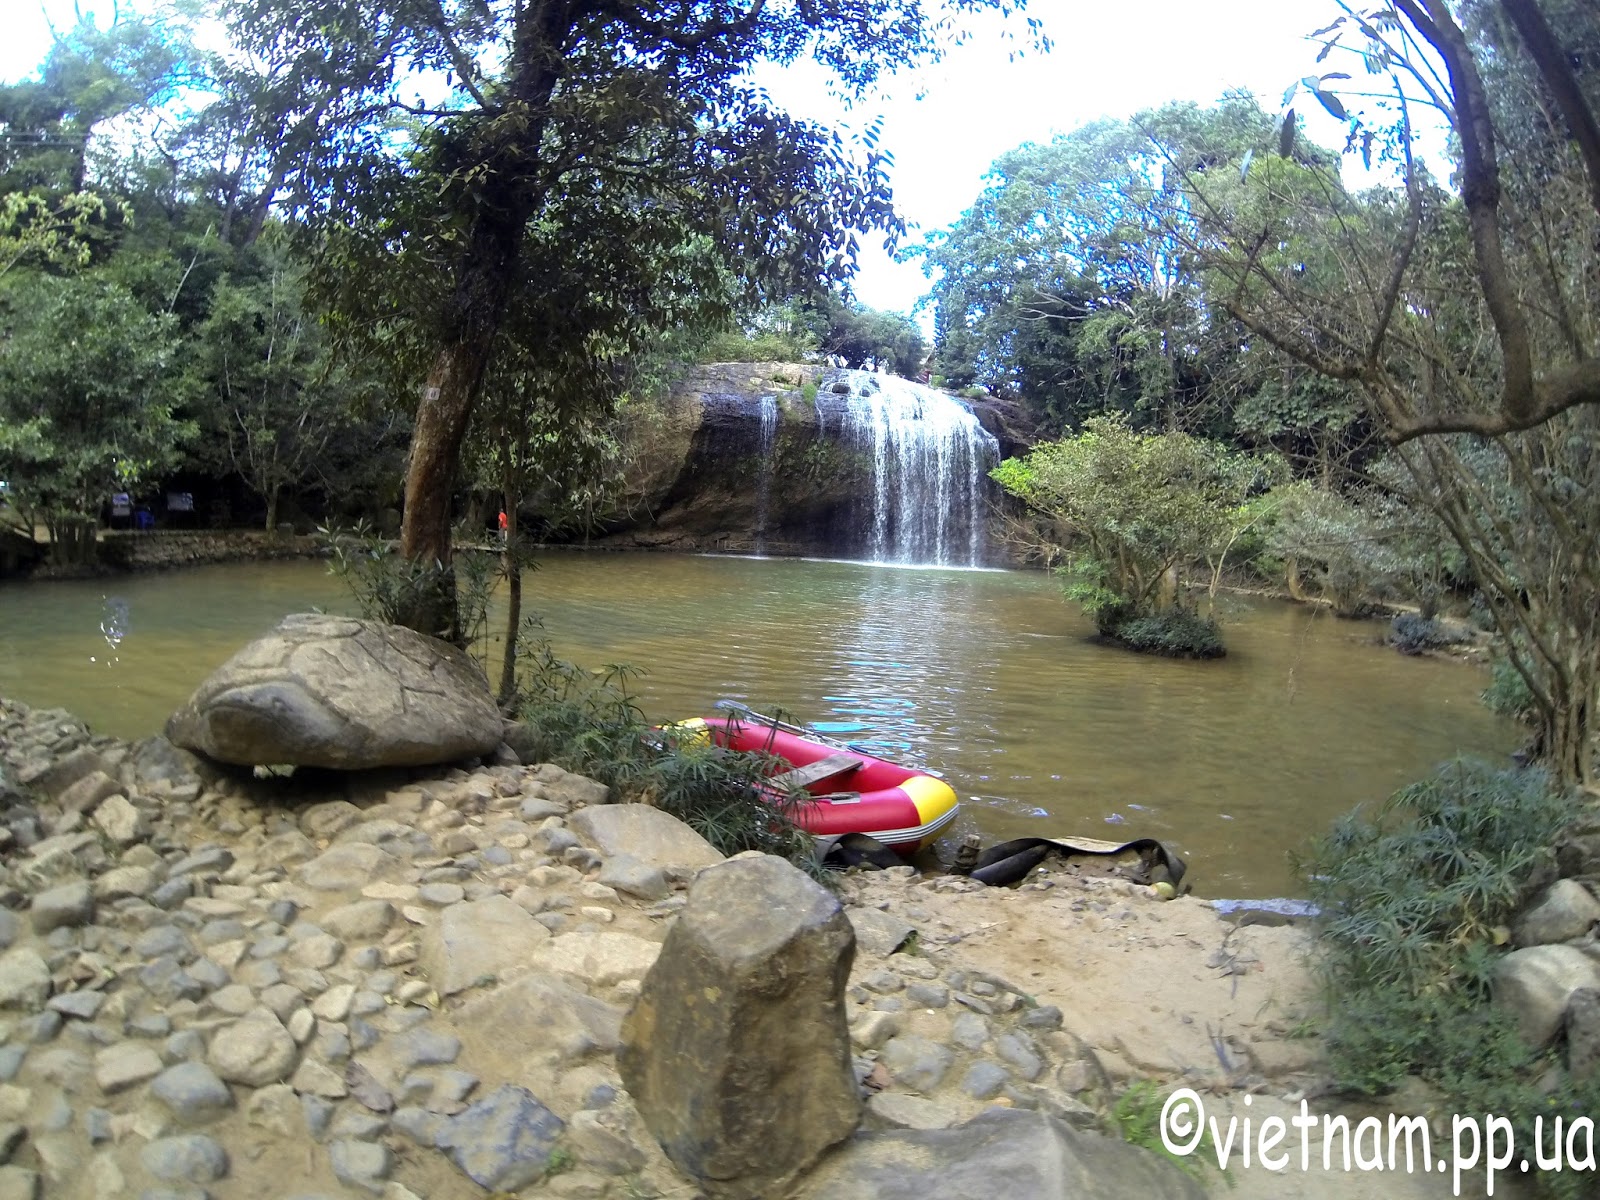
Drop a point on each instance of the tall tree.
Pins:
(644, 91)
(86, 401)
(1066, 281)
(274, 401)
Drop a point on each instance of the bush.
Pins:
(1414, 900)
(385, 584)
(1175, 632)
(588, 722)
(738, 346)
(1410, 633)
(1508, 693)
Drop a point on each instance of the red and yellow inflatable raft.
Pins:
(851, 792)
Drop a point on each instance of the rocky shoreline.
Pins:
(413, 984)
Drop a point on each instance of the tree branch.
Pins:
(1408, 240)
(1556, 72)
(1565, 388)
(1480, 192)
(458, 57)
(1296, 349)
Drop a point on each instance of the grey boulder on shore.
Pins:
(1000, 1152)
(325, 691)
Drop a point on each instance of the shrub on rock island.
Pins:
(1127, 514)
(1174, 632)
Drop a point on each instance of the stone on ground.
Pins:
(879, 933)
(504, 1141)
(599, 959)
(1565, 910)
(1535, 983)
(254, 1051)
(736, 1052)
(192, 1092)
(24, 979)
(1583, 1033)
(478, 942)
(538, 1020)
(644, 833)
(325, 691)
(1007, 1151)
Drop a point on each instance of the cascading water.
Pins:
(769, 433)
(930, 464)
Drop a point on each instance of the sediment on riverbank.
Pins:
(330, 984)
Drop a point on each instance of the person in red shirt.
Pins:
(504, 524)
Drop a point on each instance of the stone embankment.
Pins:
(416, 983)
(159, 550)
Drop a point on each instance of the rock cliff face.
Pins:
(780, 458)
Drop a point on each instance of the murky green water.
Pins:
(987, 677)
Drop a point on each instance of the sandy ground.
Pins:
(1172, 991)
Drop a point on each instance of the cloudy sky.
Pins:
(1108, 60)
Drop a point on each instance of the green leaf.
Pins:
(1333, 104)
(1286, 135)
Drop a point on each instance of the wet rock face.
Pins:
(736, 1052)
(321, 691)
(783, 458)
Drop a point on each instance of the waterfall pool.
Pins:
(987, 677)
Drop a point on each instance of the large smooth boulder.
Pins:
(323, 691)
(736, 1052)
(1002, 1151)
(1566, 910)
(1535, 983)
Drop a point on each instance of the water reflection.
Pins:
(114, 621)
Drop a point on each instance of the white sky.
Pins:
(1108, 60)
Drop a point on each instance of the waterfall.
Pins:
(769, 433)
(930, 462)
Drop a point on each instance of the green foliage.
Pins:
(383, 583)
(55, 233)
(588, 721)
(1127, 509)
(88, 402)
(868, 338)
(1349, 547)
(1508, 693)
(1174, 632)
(275, 406)
(1412, 633)
(1407, 890)
(1068, 284)
(1135, 1117)
(758, 346)
(1411, 898)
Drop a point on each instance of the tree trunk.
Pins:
(1291, 579)
(513, 568)
(442, 417)
(72, 541)
(272, 511)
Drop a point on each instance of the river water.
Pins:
(985, 676)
